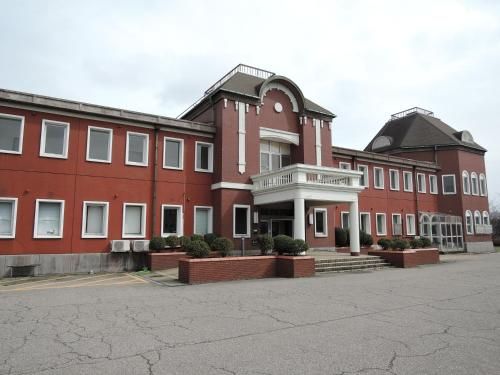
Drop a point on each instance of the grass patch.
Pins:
(497, 249)
(144, 271)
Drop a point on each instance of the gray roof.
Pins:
(418, 130)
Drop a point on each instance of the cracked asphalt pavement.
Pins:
(440, 319)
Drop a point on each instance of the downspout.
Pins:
(154, 187)
(415, 190)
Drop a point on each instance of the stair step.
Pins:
(371, 261)
(351, 268)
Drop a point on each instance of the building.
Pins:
(252, 156)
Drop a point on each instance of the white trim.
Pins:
(284, 89)
(468, 213)
(400, 222)
(61, 218)
(410, 188)
(180, 219)
(342, 223)
(433, 188)
(325, 222)
(21, 135)
(242, 109)
(181, 153)
(408, 227)
(454, 183)
(379, 233)
(13, 217)
(366, 174)
(143, 219)
(231, 185)
(474, 176)
(424, 187)
(397, 180)
(482, 192)
(380, 187)
(110, 144)
(210, 157)
(43, 136)
(104, 221)
(343, 164)
(318, 142)
(487, 216)
(369, 231)
(466, 188)
(281, 136)
(477, 214)
(146, 150)
(210, 218)
(247, 235)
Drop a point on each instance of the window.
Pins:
(449, 186)
(171, 220)
(394, 179)
(274, 155)
(241, 221)
(344, 165)
(320, 222)
(465, 182)
(486, 218)
(49, 218)
(468, 222)
(397, 225)
(365, 222)
(378, 178)
(433, 184)
(99, 144)
(425, 226)
(421, 188)
(204, 157)
(137, 149)
(202, 220)
(173, 153)
(407, 181)
(11, 134)
(482, 185)
(364, 179)
(95, 219)
(411, 229)
(8, 214)
(54, 139)
(381, 225)
(134, 220)
(477, 219)
(474, 184)
(344, 220)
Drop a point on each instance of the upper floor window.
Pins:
(482, 185)
(54, 139)
(469, 226)
(421, 187)
(11, 134)
(344, 165)
(99, 144)
(274, 155)
(136, 152)
(407, 181)
(449, 185)
(173, 153)
(8, 210)
(394, 179)
(204, 157)
(49, 218)
(433, 184)
(364, 179)
(465, 182)
(378, 178)
(474, 183)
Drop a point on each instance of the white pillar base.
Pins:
(354, 228)
(299, 222)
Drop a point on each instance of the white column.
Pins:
(354, 227)
(299, 222)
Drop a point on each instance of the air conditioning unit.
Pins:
(120, 246)
(140, 245)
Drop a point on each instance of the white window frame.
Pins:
(104, 222)
(433, 187)
(180, 219)
(325, 222)
(110, 150)
(468, 213)
(400, 221)
(345, 165)
(369, 229)
(61, 219)
(43, 139)
(13, 217)
(454, 183)
(486, 216)
(483, 191)
(247, 235)
(366, 174)
(380, 233)
(143, 219)
(466, 187)
(391, 171)
(410, 187)
(424, 187)
(210, 219)
(210, 157)
(21, 135)
(411, 230)
(181, 153)
(146, 151)
(474, 186)
(380, 187)
(342, 214)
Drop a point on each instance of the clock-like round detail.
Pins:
(278, 107)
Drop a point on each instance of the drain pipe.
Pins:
(155, 177)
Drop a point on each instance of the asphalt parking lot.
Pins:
(440, 319)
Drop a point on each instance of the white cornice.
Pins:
(231, 185)
(279, 135)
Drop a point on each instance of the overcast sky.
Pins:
(363, 60)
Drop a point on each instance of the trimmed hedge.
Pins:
(341, 237)
(184, 240)
(157, 243)
(400, 244)
(210, 238)
(425, 242)
(198, 249)
(365, 239)
(223, 245)
(283, 243)
(266, 244)
(416, 243)
(385, 243)
(172, 241)
(298, 247)
(197, 237)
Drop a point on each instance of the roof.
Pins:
(416, 130)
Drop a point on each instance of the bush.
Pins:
(298, 247)
(341, 237)
(172, 241)
(223, 245)
(416, 243)
(385, 243)
(283, 244)
(157, 243)
(198, 249)
(425, 242)
(209, 238)
(266, 244)
(197, 237)
(184, 240)
(400, 244)
(365, 239)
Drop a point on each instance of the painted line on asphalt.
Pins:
(137, 277)
(49, 281)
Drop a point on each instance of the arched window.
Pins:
(482, 185)
(474, 186)
(466, 182)
(477, 218)
(425, 225)
(468, 222)
(486, 218)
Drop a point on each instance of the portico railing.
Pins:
(484, 229)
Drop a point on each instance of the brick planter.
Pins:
(197, 271)
(164, 261)
(408, 258)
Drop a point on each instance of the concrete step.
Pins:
(352, 268)
(350, 264)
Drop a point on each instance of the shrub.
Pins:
(341, 237)
(416, 243)
(172, 241)
(298, 247)
(197, 237)
(209, 238)
(400, 244)
(157, 243)
(283, 244)
(184, 240)
(223, 245)
(425, 242)
(385, 243)
(198, 249)
(266, 244)
(365, 239)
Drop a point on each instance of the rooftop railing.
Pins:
(410, 112)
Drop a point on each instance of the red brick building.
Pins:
(252, 156)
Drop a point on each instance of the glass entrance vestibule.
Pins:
(444, 231)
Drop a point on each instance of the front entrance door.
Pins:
(273, 227)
